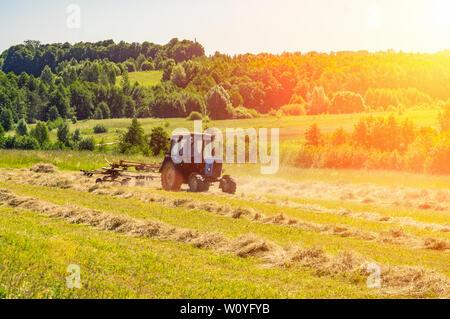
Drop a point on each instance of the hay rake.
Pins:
(119, 172)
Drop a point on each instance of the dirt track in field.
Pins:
(411, 281)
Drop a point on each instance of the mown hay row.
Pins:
(81, 183)
(394, 236)
(395, 195)
(411, 281)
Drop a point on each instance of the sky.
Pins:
(235, 26)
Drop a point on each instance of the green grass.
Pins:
(36, 252)
(64, 160)
(146, 78)
(232, 228)
(292, 128)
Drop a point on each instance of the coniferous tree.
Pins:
(22, 128)
(6, 119)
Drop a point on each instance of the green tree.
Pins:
(82, 101)
(319, 102)
(6, 119)
(439, 157)
(52, 113)
(444, 117)
(2, 137)
(117, 102)
(98, 114)
(168, 66)
(313, 135)
(218, 105)
(86, 144)
(26, 143)
(47, 75)
(194, 103)
(130, 108)
(40, 133)
(63, 133)
(178, 76)
(100, 128)
(346, 102)
(22, 128)
(159, 141)
(134, 137)
(235, 98)
(76, 136)
(61, 102)
(139, 61)
(147, 66)
(194, 116)
(106, 112)
(360, 134)
(339, 137)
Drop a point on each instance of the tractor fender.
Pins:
(166, 160)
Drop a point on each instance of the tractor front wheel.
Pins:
(171, 179)
(228, 185)
(196, 183)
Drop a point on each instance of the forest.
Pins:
(50, 84)
(41, 82)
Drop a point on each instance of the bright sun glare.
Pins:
(442, 12)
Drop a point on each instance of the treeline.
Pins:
(79, 81)
(380, 143)
(32, 56)
(320, 83)
(132, 141)
(88, 90)
(38, 138)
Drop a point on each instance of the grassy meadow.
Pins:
(147, 78)
(291, 128)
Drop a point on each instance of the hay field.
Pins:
(277, 237)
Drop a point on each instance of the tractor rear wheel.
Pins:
(171, 178)
(228, 185)
(205, 187)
